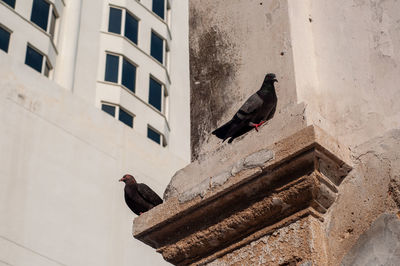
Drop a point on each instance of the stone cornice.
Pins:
(296, 177)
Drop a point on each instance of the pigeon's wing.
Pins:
(149, 195)
(240, 120)
(271, 112)
(222, 131)
(250, 107)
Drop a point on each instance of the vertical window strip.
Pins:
(128, 75)
(34, 59)
(4, 39)
(40, 13)
(153, 135)
(159, 8)
(125, 117)
(155, 94)
(109, 109)
(114, 21)
(131, 28)
(111, 71)
(157, 47)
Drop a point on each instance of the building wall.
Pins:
(339, 59)
(61, 156)
(95, 41)
(350, 77)
(77, 56)
(336, 60)
(232, 47)
(61, 202)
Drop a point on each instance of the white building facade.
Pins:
(89, 90)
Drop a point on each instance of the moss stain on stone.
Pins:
(212, 67)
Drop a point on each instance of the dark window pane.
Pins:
(4, 39)
(128, 75)
(52, 24)
(10, 3)
(154, 136)
(157, 46)
(34, 59)
(40, 13)
(155, 94)
(158, 8)
(111, 68)
(125, 118)
(114, 23)
(109, 109)
(131, 28)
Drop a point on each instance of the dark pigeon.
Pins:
(139, 197)
(258, 109)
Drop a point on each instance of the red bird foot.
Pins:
(257, 125)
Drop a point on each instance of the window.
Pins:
(159, 8)
(114, 22)
(155, 94)
(125, 117)
(34, 59)
(153, 135)
(10, 3)
(40, 16)
(4, 39)
(130, 27)
(37, 61)
(109, 109)
(40, 13)
(157, 47)
(111, 68)
(128, 77)
(116, 111)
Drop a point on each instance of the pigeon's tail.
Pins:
(222, 131)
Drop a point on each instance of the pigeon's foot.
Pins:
(257, 125)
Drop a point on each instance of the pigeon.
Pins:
(258, 109)
(139, 197)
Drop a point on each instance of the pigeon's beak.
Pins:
(275, 80)
(121, 180)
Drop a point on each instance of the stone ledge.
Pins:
(293, 178)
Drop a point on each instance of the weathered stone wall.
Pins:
(346, 59)
(233, 44)
(372, 188)
(338, 67)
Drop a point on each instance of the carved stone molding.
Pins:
(295, 178)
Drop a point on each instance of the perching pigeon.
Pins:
(259, 108)
(139, 197)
